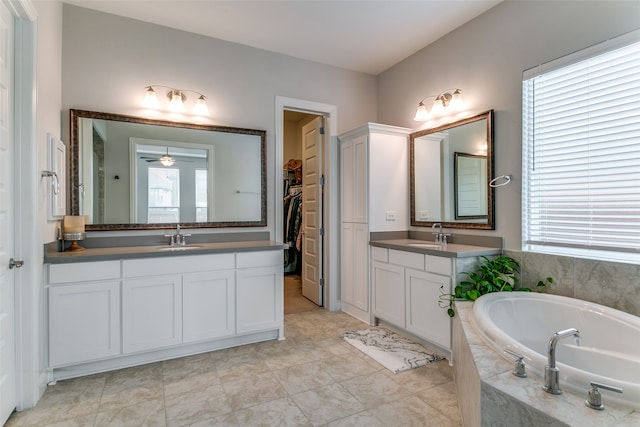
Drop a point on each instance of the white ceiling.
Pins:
(368, 36)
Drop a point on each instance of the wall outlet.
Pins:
(391, 215)
(424, 214)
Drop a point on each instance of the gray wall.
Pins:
(108, 61)
(485, 58)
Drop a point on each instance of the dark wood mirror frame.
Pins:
(490, 220)
(74, 170)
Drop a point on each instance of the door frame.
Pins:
(30, 376)
(330, 170)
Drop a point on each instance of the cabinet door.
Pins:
(347, 177)
(208, 305)
(151, 313)
(387, 283)
(354, 272)
(259, 299)
(84, 322)
(424, 316)
(353, 180)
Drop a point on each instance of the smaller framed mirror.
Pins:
(450, 170)
(470, 186)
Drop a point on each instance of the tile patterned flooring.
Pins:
(312, 378)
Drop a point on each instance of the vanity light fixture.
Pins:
(177, 99)
(450, 98)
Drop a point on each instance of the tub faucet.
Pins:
(551, 372)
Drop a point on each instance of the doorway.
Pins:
(303, 195)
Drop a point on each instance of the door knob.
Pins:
(13, 263)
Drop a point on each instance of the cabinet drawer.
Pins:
(176, 265)
(379, 254)
(438, 265)
(407, 259)
(259, 259)
(84, 271)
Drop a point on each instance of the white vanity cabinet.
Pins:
(406, 287)
(374, 189)
(109, 314)
(84, 312)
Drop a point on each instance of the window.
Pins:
(581, 153)
(164, 195)
(201, 195)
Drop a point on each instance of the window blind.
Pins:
(581, 154)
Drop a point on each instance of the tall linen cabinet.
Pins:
(374, 197)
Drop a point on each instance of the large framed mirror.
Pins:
(132, 173)
(450, 170)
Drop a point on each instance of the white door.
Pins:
(312, 138)
(7, 330)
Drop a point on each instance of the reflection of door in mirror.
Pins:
(173, 181)
(470, 186)
(92, 170)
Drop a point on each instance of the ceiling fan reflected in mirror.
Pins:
(165, 159)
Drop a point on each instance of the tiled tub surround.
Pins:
(613, 284)
(490, 395)
(606, 351)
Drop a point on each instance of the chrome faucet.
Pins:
(551, 372)
(440, 236)
(177, 239)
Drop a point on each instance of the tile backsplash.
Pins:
(611, 284)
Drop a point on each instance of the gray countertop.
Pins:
(449, 250)
(132, 252)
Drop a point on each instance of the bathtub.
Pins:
(608, 351)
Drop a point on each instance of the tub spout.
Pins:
(551, 372)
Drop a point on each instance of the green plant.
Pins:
(493, 275)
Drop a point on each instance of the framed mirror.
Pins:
(131, 173)
(450, 170)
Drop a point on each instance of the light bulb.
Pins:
(201, 107)
(456, 101)
(176, 103)
(150, 98)
(438, 107)
(421, 113)
(167, 160)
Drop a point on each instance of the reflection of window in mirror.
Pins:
(201, 195)
(164, 195)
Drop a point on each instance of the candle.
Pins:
(74, 224)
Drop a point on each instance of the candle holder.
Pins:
(74, 237)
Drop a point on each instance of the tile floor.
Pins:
(312, 378)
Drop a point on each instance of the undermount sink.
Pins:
(178, 248)
(425, 245)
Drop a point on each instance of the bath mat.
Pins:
(393, 351)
